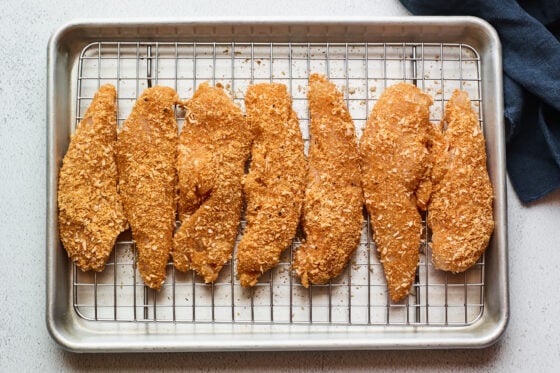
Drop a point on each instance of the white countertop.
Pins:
(531, 342)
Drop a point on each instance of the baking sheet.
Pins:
(450, 306)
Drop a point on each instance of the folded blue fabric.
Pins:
(530, 36)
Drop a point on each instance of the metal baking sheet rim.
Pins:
(78, 335)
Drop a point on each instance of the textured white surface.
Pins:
(532, 340)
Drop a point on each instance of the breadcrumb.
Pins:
(146, 153)
(332, 208)
(275, 183)
(90, 210)
(460, 211)
(396, 166)
(213, 148)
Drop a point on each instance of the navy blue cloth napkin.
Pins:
(530, 36)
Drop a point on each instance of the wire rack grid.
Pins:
(358, 296)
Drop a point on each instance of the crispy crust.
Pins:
(332, 208)
(213, 148)
(460, 211)
(146, 154)
(275, 183)
(90, 209)
(396, 166)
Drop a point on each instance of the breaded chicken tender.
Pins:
(90, 210)
(275, 183)
(460, 210)
(332, 208)
(146, 156)
(396, 166)
(213, 148)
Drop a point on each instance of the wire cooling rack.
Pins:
(359, 295)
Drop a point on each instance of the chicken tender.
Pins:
(275, 183)
(396, 166)
(460, 211)
(332, 207)
(213, 148)
(146, 156)
(90, 210)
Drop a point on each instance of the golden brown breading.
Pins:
(213, 148)
(460, 210)
(275, 183)
(332, 207)
(146, 155)
(90, 209)
(396, 166)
